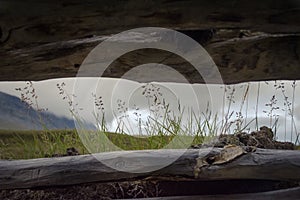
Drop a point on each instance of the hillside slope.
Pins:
(14, 114)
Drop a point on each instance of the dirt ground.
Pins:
(92, 191)
(144, 189)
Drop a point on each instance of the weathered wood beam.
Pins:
(262, 164)
(248, 40)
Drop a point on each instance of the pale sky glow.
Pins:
(195, 96)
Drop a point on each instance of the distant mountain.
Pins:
(14, 114)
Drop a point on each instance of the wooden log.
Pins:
(241, 37)
(262, 164)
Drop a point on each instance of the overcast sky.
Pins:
(196, 97)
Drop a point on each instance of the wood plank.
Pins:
(241, 37)
(261, 164)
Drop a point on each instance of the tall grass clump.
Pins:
(29, 97)
(37, 143)
(166, 126)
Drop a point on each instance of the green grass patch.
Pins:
(21, 144)
(36, 144)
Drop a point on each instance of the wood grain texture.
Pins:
(49, 39)
(261, 164)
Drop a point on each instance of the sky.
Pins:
(129, 103)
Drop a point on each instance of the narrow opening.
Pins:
(170, 188)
